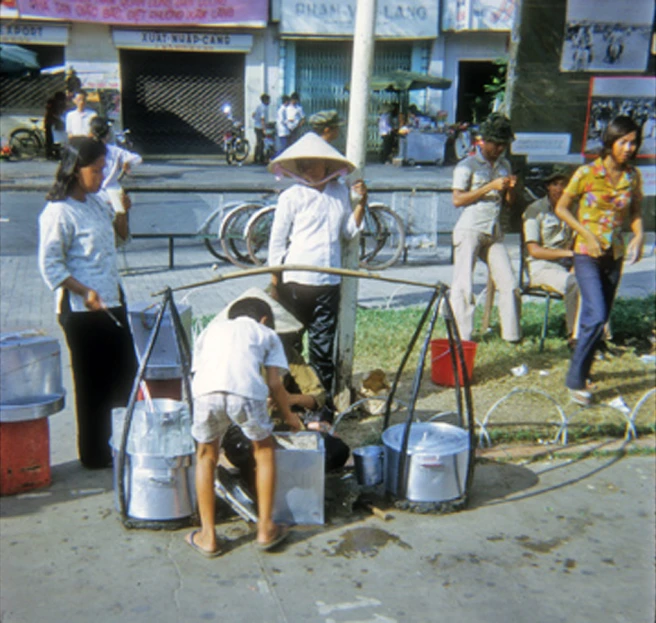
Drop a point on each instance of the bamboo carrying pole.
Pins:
(263, 270)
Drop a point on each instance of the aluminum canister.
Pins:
(436, 463)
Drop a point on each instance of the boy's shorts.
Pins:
(213, 414)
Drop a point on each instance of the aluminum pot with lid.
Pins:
(436, 463)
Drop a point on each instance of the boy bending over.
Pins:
(228, 386)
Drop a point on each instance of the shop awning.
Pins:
(401, 80)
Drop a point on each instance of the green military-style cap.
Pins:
(558, 171)
(325, 119)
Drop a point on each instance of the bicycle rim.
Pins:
(214, 246)
(382, 239)
(242, 147)
(233, 233)
(258, 232)
(24, 144)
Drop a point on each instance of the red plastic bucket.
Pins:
(441, 366)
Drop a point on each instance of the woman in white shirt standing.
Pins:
(77, 259)
(312, 219)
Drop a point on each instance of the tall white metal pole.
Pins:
(356, 151)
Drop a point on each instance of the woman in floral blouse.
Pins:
(604, 194)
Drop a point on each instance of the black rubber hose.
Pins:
(390, 398)
(129, 410)
(402, 476)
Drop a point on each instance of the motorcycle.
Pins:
(462, 140)
(269, 150)
(235, 143)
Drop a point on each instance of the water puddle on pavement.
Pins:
(365, 542)
(542, 547)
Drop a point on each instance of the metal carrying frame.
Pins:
(439, 301)
(184, 351)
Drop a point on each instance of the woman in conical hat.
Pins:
(312, 219)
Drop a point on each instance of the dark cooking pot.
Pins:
(436, 463)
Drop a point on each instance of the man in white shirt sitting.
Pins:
(78, 120)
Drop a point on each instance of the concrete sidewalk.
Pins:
(560, 540)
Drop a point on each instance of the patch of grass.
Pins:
(382, 337)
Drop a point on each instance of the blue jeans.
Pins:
(598, 279)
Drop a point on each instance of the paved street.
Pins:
(563, 540)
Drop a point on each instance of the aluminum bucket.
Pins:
(157, 488)
(369, 465)
(436, 463)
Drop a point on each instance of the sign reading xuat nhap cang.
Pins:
(409, 19)
(150, 12)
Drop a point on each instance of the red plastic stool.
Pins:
(24, 456)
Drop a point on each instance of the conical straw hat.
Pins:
(285, 322)
(310, 146)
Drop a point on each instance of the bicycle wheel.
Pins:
(233, 233)
(241, 149)
(214, 246)
(258, 231)
(213, 241)
(382, 238)
(24, 144)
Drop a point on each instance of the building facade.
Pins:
(165, 69)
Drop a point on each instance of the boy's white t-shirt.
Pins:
(229, 356)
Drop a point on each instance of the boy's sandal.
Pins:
(189, 539)
(281, 534)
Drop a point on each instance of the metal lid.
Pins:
(26, 337)
(443, 439)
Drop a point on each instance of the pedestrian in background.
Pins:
(260, 120)
(295, 118)
(77, 259)
(282, 129)
(387, 130)
(118, 162)
(78, 120)
(53, 123)
(603, 195)
(481, 185)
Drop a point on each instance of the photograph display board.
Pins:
(626, 95)
(607, 35)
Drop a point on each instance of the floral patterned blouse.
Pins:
(602, 207)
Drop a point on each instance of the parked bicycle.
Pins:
(382, 238)
(235, 143)
(28, 143)
(269, 150)
(223, 231)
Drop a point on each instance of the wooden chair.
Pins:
(525, 289)
(545, 292)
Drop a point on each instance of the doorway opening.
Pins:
(474, 104)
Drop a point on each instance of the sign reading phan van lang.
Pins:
(410, 19)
